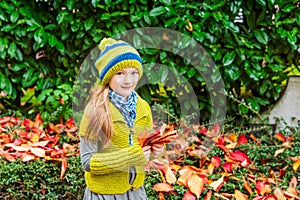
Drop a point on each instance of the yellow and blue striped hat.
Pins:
(116, 55)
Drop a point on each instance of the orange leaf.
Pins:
(38, 120)
(279, 194)
(18, 148)
(296, 165)
(195, 184)
(280, 137)
(216, 185)
(40, 144)
(208, 195)
(278, 151)
(185, 175)
(239, 196)
(163, 187)
(232, 137)
(38, 151)
(188, 196)
(8, 156)
(27, 157)
(247, 186)
(64, 164)
(161, 196)
(170, 176)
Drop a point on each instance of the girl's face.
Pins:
(124, 81)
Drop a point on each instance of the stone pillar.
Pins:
(288, 106)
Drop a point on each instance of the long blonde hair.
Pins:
(100, 126)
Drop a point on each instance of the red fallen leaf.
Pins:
(259, 198)
(221, 140)
(43, 189)
(280, 137)
(240, 156)
(188, 196)
(242, 139)
(28, 124)
(17, 142)
(163, 187)
(262, 188)
(161, 136)
(216, 160)
(70, 122)
(270, 197)
(5, 119)
(204, 178)
(227, 166)
(64, 164)
(202, 130)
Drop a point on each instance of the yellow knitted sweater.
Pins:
(109, 169)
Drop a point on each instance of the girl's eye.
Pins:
(119, 73)
(134, 73)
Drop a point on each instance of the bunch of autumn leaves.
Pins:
(29, 140)
(196, 179)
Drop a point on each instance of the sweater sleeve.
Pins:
(104, 163)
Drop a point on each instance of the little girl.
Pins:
(111, 156)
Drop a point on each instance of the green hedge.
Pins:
(43, 44)
(41, 180)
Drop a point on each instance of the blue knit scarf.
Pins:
(126, 107)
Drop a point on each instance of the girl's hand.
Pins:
(157, 150)
(147, 152)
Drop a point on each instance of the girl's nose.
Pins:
(127, 78)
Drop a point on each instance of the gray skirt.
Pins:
(138, 194)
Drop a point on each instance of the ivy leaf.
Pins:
(12, 49)
(14, 16)
(70, 4)
(89, 23)
(52, 40)
(228, 58)
(157, 11)
(261, 36)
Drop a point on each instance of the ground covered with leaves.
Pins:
(201, 162)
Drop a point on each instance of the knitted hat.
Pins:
(116, 55)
